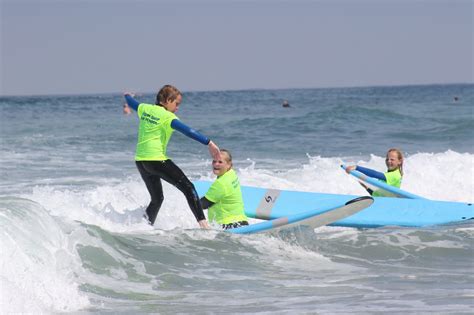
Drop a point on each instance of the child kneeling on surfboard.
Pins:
(393, 176)
(224, 197)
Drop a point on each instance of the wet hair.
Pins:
(229, 156)
(400, 157)
(167, 93)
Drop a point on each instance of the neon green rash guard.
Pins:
(154, 132)
(394, 178)
(228, 205)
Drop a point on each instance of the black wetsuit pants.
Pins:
(153, 172)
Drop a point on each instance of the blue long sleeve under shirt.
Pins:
(371, 173)
(176, 124)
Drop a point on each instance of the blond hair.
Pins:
(228, 157)
(400, 157)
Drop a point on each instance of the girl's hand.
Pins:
(350, 168)
(214, 151)
(204, 225)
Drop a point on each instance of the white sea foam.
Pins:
(119, 205)
(441, 176)
(37, 264)
(45, 271)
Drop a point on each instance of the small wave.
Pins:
(37, 271)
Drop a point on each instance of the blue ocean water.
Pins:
(71, 201)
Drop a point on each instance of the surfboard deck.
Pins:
(312, 219)
(269, 204)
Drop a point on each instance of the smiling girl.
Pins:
(393, 176)
(224, 197)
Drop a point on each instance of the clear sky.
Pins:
(103, 46)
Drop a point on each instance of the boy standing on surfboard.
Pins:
(157, 124)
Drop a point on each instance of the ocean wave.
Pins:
(98, 264)
(37, 261)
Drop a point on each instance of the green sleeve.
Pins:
(215, 192)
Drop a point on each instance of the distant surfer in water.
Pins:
(393, 176)
(126, 109)
(224, 197)
(157, 124)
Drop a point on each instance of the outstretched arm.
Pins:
(193, 134)
(131, 102)
(371, 173)
(176, 124)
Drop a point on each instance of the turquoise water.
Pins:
(71, 200)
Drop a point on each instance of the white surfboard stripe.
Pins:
(264, 209)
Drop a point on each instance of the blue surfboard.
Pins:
(393, 191)
(269, 204)
(311, 219)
